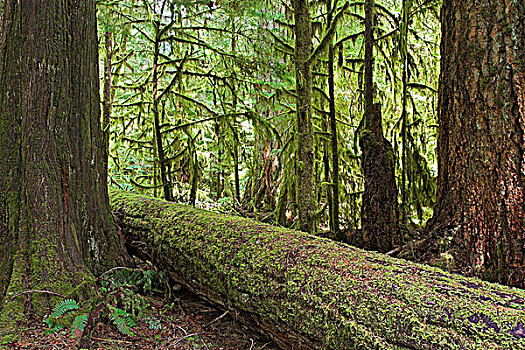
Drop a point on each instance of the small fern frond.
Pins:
(54, 329)
(122, 320)
(129, 321)
(63, 307)
(78, 325)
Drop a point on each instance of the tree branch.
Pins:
(329, 34)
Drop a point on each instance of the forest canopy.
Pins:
(213, 83)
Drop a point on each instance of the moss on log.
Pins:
(311, 293)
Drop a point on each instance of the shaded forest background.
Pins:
(199, 105)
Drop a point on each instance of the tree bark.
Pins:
(55, 225)
(403, 48)
(370, 121)
(479, 218)
(334, 188)
(379, 210)
(108, 94)
(167, 186)
(304, 134)
(311, 293)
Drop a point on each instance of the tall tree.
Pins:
(403, 48)
(304, 135)
(334, 207)
(480, 209)
(379, 212)
(56, 228)
(157, 97)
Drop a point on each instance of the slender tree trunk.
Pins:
(369, 65)
(195, 167)
(194, 178)
(2, 3)
(379, 213)
(233, 83)
(218, 176)
(236, 162)
(55, 225)
(163, 166)
(407, 4)
(304, 139)
(108, 65)
(327, 177)
(480, 208)
(334, 214)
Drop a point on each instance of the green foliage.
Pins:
(154, 323)
(122, 320)
(67, 312)
(63, 307)
(119, 291)
(225, 96)
(78, 325)
(147, 282)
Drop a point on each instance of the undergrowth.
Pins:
(120, 299)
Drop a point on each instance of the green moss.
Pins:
(331, 294)
(37, 267)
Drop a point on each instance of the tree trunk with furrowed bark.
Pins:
(479, 219)
(56, 229)
(311, 293)
(379, 211)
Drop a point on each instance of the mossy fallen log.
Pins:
(311, 293)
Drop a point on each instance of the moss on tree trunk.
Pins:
(379, 212)
(311, 293)
(56, 229)
(304, 133)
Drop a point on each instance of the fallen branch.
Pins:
(36, 291)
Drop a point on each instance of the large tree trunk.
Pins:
(479, 217)
(55, 223)
(304, 134)
(311, 293)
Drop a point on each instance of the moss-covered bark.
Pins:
(379, 212)
(304, 133)
(56, 229)
(310, 293)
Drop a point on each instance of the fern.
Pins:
(122, 320)
(78, 325)
(53, 327)
(63, 307)
(60, 315)
(154, 324)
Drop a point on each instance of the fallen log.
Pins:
(311, 293)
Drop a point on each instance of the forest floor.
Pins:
(186, 322)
